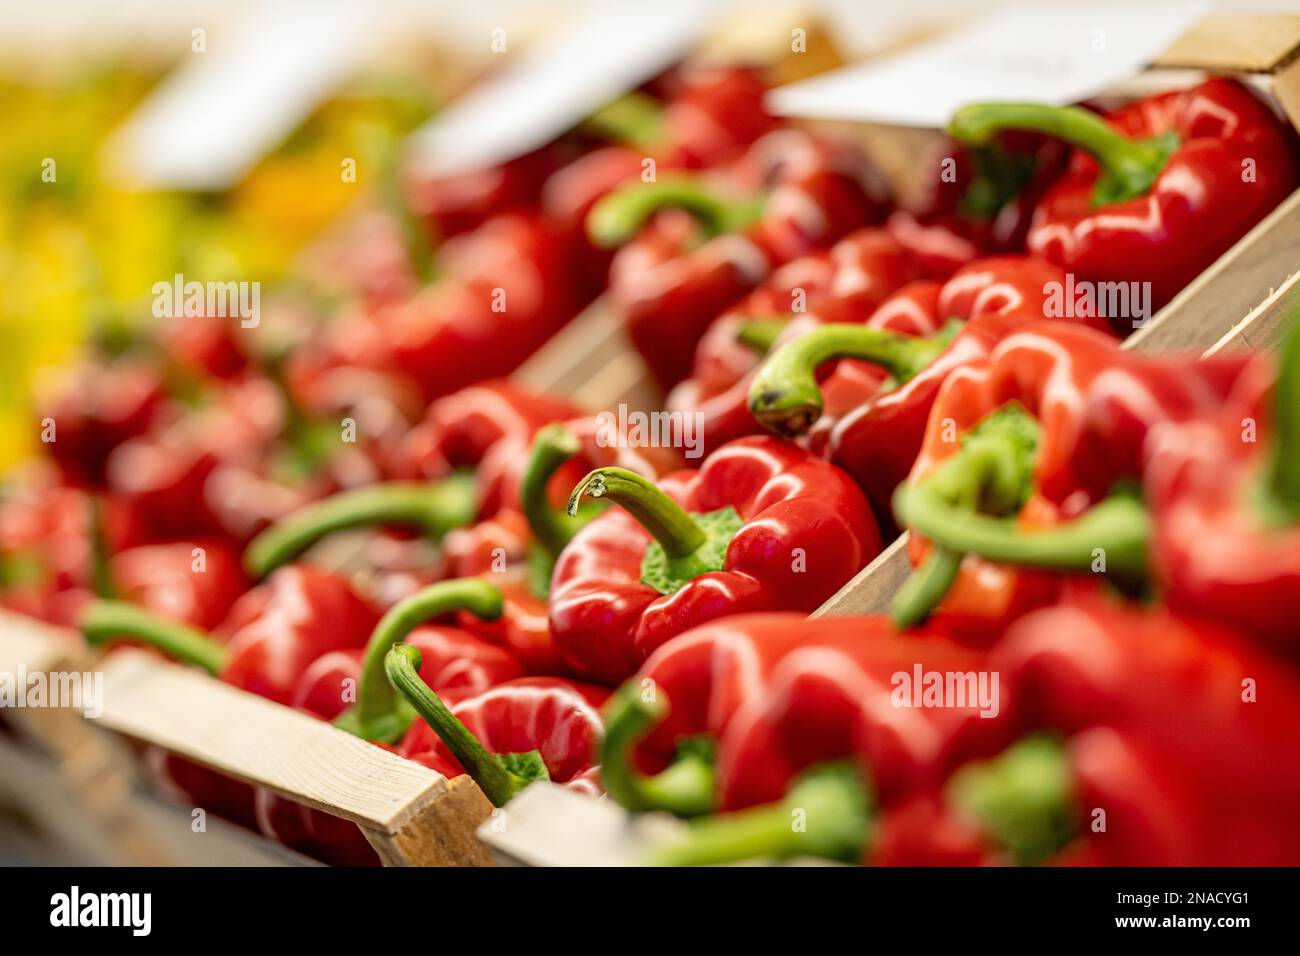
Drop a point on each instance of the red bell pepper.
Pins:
(505, 289)
(668, 294)
(845, 283)
(877, 439)
(532, 728)
(734, 714)
(195, 582)
(165, 474)
(1222, 493)
(516, 548)
(1158, 189)
(1041, 431)
(762, 525)
(977, 201)
(1156, 723)
(350, 688)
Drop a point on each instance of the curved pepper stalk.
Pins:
(499, 776)
(963, 507)
(1129, 167)
(1023, 798)
(104, 622)
(433, 508)
(685, 545)
(827, 815)
(379, 713)
(761, 332)
(620, 215)
(785, 397)
(685, 788)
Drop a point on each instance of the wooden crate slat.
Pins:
(1224, 294)
(551, 825)
(263, 743)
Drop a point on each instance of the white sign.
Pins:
(608, 49)
(245, 88)
(1056, 54)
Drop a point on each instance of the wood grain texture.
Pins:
(1236, 41)
(32, 645)
(872, 588)
(1228, 291)
(263, 743)
(441, 834)
(551, 825)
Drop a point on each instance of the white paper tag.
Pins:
(253, 83)
(608, 49)
(1056, 55)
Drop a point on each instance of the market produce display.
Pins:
(360, 511)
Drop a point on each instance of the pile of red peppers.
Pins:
(1093, 661)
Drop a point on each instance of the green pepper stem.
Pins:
(925, 587)
(379, 713)
(634, 119)
(826, 814)
(1129, 167)
(1116, 528)
(621, 214)
(104, 622)
(760, 334)
(1024, 798)
(499, 784)
(1282, 474)
(785, 397)
(553, 445)
(685, 788)
(433, 508)
(666, 520)
(992, 473)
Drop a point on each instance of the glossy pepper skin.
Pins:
(516, 548)
(560, 719)
(271, 635)
(797, 528)
(1094, 405)
(1222, 493)
(1158, 189)
(708, 117)
(192, 581)
(775, 695)
(454, 662)
(811, 194)
(877, 438)
(845, 283)
(976, 202)
(1164, 725)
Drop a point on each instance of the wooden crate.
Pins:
(74, 778)
(78, 788)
